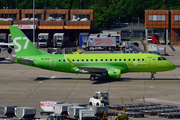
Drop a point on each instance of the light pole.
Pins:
(33, 22)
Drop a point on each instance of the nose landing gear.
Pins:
(152, 75)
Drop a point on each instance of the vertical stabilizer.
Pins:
(22, 45)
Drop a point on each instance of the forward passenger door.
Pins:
(149, 61)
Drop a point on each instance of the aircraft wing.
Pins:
(23, 60)
(7, 44)
(90, 68)
(94, 69)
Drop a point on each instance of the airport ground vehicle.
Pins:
(99, 41)
(48, 106)
(58, 39)
(43, 39)
(153, 39)
(107, 43)
(96, 100)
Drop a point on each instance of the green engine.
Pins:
(114, 73)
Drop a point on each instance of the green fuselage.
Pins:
(136, 62)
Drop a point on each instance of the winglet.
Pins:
(72, 65)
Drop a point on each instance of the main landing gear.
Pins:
(93, 77)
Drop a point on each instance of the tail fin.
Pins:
(22, 45)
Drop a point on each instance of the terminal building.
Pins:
(165, 19)
(70, 22)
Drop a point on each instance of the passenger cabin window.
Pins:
(73, 60)
(124, 59)
(82, 60)
(133, 59)
(77, 59)
(106, 59)
(86, 59)
(129, 59)
(110, 59)
(91, 59)
(64, 60)
(96, 59)
(138, 59)
(119, 59)
(115, 59)
(142, 59)
(59, 60)
(101, 59)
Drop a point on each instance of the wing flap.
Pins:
(23, 60)
(94, 69)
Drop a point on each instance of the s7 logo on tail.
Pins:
(18, 45)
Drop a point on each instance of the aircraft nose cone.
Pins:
(172, 66)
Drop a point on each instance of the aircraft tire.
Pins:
(90, 103)
(92, 78)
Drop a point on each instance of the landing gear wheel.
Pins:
(152, 77)
(92, 78)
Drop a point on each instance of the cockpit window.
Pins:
(160, 58)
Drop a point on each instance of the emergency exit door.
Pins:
(52, 62)
(149, 61)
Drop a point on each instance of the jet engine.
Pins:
(114, 73)
(9, 50)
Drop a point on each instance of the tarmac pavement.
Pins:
(26, 86)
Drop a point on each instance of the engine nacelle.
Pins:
(9, 50)
(114, 73)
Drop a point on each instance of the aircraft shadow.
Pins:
(45, 78)
(103, 80)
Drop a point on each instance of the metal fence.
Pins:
(141, 35)
(132, 35)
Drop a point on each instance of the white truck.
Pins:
(43, 39)
(96, 100)
(93, 43)
(48, 106)
(58, 39)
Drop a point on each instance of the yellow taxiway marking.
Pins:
(32, 90)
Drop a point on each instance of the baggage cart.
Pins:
(134, 114)
(73, 111)
(7, 110)
(86, 114)
(48, 106)
(61, 109)
(99, 110)
(25, 112)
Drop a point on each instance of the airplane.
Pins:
(108, 65)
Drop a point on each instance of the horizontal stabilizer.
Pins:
(22, 60)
